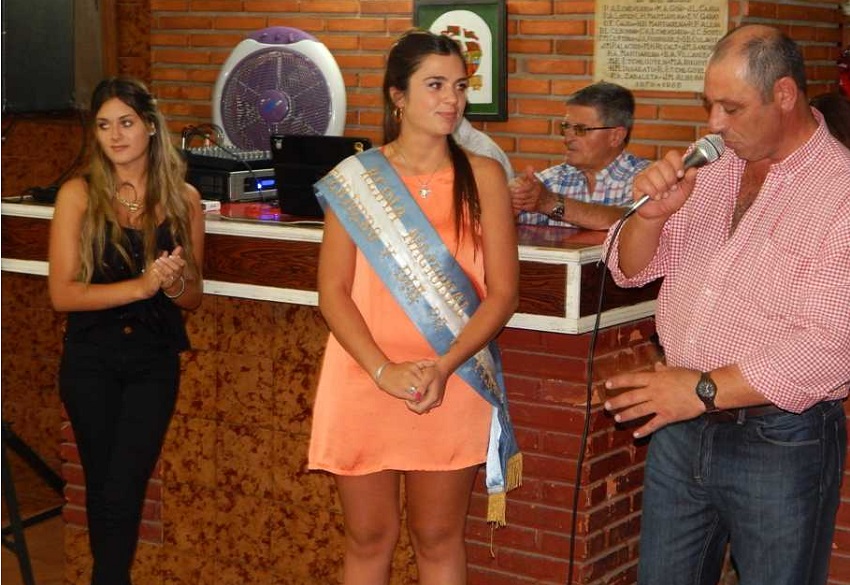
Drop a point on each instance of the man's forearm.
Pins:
(591, 216)
(637, 244)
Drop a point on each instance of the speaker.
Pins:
(51, 54)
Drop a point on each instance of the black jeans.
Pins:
(119, 387)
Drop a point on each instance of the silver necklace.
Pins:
(132, 206)
(424, 186)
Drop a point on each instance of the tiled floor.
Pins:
(45, 540)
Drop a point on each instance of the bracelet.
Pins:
(182, 289)
(380, 370)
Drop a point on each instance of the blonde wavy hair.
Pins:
(165, 188)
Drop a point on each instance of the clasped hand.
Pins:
(420, 384)
(666, 394)
(164, 272)
(527, 192)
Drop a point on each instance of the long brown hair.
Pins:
(166, 172)
(404, 59)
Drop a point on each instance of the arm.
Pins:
(336, 277)
(591, 216)
(501, 269)
(669, 395)
(184, 287)
(668, 187)
(66, 292)
(528, 193)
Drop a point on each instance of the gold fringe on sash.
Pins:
(497, 502)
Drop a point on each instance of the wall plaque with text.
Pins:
(657, 44)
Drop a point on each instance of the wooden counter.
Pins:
(274, 261)
(232, 503)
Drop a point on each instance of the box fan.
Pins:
(279, 80)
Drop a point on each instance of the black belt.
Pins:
(739, 415)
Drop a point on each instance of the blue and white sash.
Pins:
(376, 209)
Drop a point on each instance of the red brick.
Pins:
(557, 66)
(249, 23)
(151, 532)
(169, 5)
(75, 495)
(518, 126)
(541, 567)
(761, 9)
(184, 22)
(75, 516)
(307, 24)
(68, 452)
(665, 132)
(151, 510)
(539, 46)
(375, 62)
(357, 24)
(174, 40)
(574, 47)
(610, 513)
(552, 27)
(574, 7)
(385, 6)
(73, 474)
(271, 5)
(216, 6)
(559, 469)
(510, 536)
(530, 7)
(484, 576)
(181, 56)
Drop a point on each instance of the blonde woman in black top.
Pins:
(126, 250)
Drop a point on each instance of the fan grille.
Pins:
(274, 91)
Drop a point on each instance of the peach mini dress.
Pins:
(357, 427)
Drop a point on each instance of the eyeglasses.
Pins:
(580, 129)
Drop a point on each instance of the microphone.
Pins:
(706, 150)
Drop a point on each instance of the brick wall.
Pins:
(550, 54)
(179, 45)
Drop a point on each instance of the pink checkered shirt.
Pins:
(775, 297)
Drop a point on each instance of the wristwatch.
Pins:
(557, 212)
(706, 391)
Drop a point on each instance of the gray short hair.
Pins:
(614, 103)
(769, 55)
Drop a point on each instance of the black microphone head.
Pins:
(706, 150)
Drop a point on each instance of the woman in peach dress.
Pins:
(389, 405)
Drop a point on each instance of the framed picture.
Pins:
(479, 27)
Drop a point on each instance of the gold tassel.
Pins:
(514, 472)
(496, 508)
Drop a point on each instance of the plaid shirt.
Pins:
(613, 186)
(774, 298)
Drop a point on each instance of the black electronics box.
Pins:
(300, 161)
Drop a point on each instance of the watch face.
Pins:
(706, 388)
(558, 212)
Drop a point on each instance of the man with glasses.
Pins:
(590, 187)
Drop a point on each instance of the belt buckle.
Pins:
(724, 416)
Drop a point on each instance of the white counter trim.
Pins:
(295, 233)
(584, 324)
(34, 267)
(292, 233)
(27, 210)
(570, 323)
(261, 293)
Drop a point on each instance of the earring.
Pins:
(152, 132)
(398, 113)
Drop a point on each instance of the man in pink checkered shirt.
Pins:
(747, 416)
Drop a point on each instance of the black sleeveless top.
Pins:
(157, 317)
